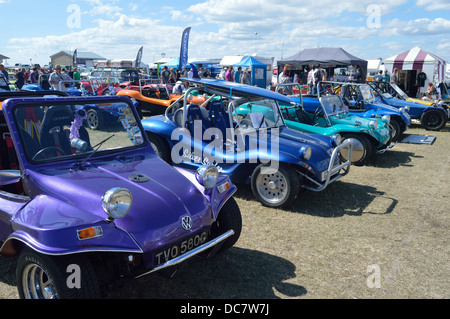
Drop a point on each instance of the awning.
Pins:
(418, 59)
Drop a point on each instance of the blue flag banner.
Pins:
(138, 57)
(184, 48)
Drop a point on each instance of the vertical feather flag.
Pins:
(184, 48)
(74, 58)
(139, 57)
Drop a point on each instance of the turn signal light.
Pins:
(90, 232)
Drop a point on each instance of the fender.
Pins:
(160, 126)
(218, 195)
(59, 236)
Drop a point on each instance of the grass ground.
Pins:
(389, 218)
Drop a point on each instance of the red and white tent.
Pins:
(418, 59)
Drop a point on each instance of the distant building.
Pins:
(3, 57)
(65, 58)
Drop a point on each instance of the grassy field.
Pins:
(389, 218)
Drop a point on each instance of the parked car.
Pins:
(433, 115)
(327, 115)
(255, 148)
(81, 208)
(154, 98)
(360, 100)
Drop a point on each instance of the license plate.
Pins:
(180, 248)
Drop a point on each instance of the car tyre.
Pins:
(42, 276)
(275, 189)
(433, 120)
(394, 130)
(94, 119)
(160, 147)
(229, 218)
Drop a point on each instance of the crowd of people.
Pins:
(24, 76)
(172, 76)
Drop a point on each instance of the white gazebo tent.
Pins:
(410, 63)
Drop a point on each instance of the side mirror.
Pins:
(8, 177)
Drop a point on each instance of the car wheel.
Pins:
(361, 149)
(275, 188)
(94, 119)
(42, 276)
(394, 130)
(433, 120)
(229, 218)
(160, 147)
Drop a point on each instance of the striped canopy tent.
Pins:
(418, 59)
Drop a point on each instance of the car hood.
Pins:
(160, 200)
(291, 141)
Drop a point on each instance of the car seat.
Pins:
(55, 129)
(195, 113)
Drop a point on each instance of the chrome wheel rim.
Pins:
(358, 150)
(273, 188)
(92, 119)
(37, 284)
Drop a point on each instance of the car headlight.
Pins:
(373, 124)
(305, 152)
(336, 139)
(386, 118)
(207, 176)
(406, 109)
(117, 202)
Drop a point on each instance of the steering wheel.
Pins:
(318, 113)
(49, 148)
(244, 124)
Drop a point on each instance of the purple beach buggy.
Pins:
(80, 208)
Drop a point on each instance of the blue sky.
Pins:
(277, 28)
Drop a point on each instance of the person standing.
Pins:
(34, 76)
(229, 74)
(172, 76)
(386, 76)
(386, 79)
(76, 75)
(20, 79)
(310, 80)
(4, 78)
(165, 75)
(237, 75)
(378, 77)
(245, 78)
(394, 77)
(56, 77)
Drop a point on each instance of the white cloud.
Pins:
(417, 27)
(432, 5)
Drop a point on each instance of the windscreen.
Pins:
(59, 132)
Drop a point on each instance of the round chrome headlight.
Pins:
(386, 118)
(336, 139)
(207, 176)
(305, 152)
(373, 124)
(117, 202)
(406, 109)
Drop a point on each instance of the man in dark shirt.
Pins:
(421, 77)
(20, 79)
(4, 80)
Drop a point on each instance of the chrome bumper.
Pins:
(386, 148)
(332, 172)
(191, 253)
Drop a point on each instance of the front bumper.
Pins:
(210, 244)
(333, 172)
